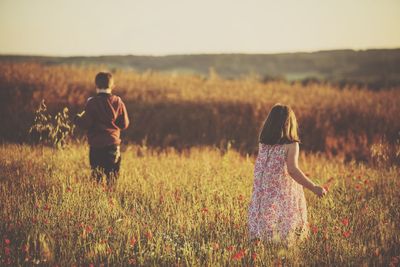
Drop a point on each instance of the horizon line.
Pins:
(197, 53)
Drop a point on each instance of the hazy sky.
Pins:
(159, 27)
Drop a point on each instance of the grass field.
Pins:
(184, 209)
(188, 110)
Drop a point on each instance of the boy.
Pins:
(104, 117)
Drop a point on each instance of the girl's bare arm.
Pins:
(297, 174)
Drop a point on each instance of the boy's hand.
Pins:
(80, 114)
(78, 117)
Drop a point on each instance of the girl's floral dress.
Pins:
(278, 209)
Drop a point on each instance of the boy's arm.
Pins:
(84, 119)
(123, 120)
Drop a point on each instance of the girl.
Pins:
(278, 208)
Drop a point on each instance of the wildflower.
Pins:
(167, 248)
(149, 235)
(8, 261)
(257, 242)
(91, 265)
(278, 263)
(314, 229)
(89, 229)
(24, 248)
(394, 260)
(238, 255)
(204, 210)
(230, 248)
(345, 221)
(327, 248)
(7, 241)
(7, 251)
(132, 242)
(254, 256)
(110, 230)
(346, 234)
(328, 184)
(215, 246)
(111, 202)
(69, 189)
(47, 207)
(357, 187)
(241, 198)
(377, 252)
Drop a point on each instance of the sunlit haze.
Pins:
(149, 27)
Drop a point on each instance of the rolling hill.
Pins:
(378, 68)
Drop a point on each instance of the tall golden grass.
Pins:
(187, 110)
(184, 209)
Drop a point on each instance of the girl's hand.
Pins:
(319, 191)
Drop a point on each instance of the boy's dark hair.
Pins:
(280, 127)
(103, 80)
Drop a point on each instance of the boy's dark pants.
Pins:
(105, 160)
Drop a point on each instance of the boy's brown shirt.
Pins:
(104, 117)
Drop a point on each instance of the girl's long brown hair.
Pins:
(280, 127)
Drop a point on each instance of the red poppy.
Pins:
(111, 202)
(346, 234)
(394, 260)
(24, 248)
(327, 248)
(132, 242)
(7, 241)
(377, 252)
(345, 221)
(149, 235)
(215, 246)
(357, 187)
(238, 255)
(110, 230)
(89, 229)
(314, 229)
(254, 256)
(230, 248)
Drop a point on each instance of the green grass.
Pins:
(186, 208)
